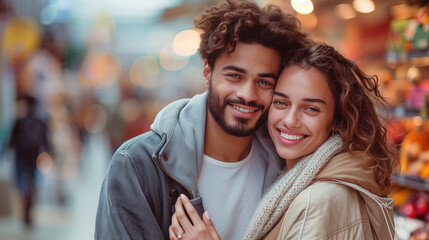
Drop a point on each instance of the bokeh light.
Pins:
(418, 121)
(44, 163)
(130, 110)
(170, 61)
(49, 14)
(345, 11)
(100, 69)
(21, 37)
(303, 6)
(186, 42)
(364, 6)
(145, 72)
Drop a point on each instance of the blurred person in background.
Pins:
(29, 139)
(66, 146)
(213, 146)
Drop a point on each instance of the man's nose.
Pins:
(248, 92)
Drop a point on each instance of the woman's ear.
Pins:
(334, 128)
(207, 71)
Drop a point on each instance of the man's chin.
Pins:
(240, 131)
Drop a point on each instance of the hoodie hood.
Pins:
(181, 124)
(356, 168)
(355, 171)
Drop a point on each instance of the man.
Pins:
(213, 146)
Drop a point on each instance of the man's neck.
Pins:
(222, 146)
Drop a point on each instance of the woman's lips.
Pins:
(290, 138)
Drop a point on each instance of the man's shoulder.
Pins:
(140, 146)
(136, 155)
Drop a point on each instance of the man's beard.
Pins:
(240, 128)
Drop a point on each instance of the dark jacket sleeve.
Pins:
(123, 210)
(14, 135)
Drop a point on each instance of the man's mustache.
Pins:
(242, 102)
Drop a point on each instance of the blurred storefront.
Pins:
(102, 69)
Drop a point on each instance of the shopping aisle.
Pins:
(75, 219)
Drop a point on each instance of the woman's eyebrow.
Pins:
(314, 100)
(305, 99)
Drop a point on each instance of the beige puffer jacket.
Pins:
(344, 202)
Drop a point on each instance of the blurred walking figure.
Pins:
(29, 139)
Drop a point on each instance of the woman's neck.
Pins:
(290, 163)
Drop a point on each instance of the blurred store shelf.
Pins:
(412, 182)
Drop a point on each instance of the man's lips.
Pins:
(245, 106)
(244, 109)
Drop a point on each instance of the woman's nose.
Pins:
(292, 119)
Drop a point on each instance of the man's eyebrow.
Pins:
(305, 99)
(267, 75)
(234, 68)
(241, 70)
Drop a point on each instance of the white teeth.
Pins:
(243, 109)
(291, 137)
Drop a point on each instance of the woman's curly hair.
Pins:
(244, 21)
(357, 98)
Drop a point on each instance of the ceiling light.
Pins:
(364, 6)
(302, 6)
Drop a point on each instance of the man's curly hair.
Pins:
(244, 21)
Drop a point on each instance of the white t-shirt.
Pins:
(231, 192)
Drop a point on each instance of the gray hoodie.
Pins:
(148, 173)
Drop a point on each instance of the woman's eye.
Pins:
(311, 109)
(279, 103)
(266, 83)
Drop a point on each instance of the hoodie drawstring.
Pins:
(306, 211)
(377, 199)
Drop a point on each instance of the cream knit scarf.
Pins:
(278, 199)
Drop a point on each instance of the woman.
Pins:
(323, 122)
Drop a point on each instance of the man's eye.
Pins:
(233, 75)
(267, 83)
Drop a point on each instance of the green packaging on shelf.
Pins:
(396, 41)
(421, 37)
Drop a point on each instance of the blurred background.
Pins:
(94, 73)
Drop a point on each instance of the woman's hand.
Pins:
(193, 227)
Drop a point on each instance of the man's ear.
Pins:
(207, 71)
